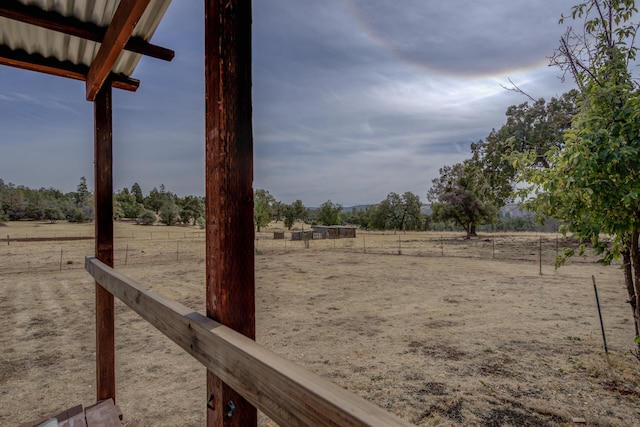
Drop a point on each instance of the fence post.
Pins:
(604, 338)
(61, 248)
(493, 245)
(399, 246)
(177, 250)
(442, 245)
(540, 255)
(8, 241)
(126, 255)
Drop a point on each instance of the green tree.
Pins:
(130, 207)
(594, 185)
(53, 213)
(14, 202)
(191, 208)
(301, 212)
(154, 200)
(136, 190)
(460, 195)
(398, 212)
(329, 213)
(147, 217)
(169, 213)
(293, 212)
(289, 216)
(364, 216)
(277, 210)
(81, 209)
(262, 207)
(530, 128)
(81, 197)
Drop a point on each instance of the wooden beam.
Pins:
(289, 394)
(103, 196)
(37, 62)
(230, 276)
(51, 20)
(122, 25)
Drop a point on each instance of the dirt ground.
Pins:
(447, 333)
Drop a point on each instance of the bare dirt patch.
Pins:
(463, 339)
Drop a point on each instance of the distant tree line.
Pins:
(45, 204)
(400, 212)
(48, 204)
(160, 204)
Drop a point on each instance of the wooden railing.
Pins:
(287, 393)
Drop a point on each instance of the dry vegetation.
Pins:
(462, 339)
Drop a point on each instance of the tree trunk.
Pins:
(635, 262)
(628, 280)
(471, 231)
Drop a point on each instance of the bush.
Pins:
(170, 213)
(80, 215)
(146, 218)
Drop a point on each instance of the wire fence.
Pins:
(60, 253)
(535, 247)
(22, 253)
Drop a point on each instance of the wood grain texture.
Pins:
(230, 280)
(36, 62)
(103, 199)
(122, 25)
(287, 393)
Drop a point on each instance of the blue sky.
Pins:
(353, 99)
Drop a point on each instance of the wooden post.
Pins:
(230, 276)
(105, 333)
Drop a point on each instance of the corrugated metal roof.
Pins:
(18, 35)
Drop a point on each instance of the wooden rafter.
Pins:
(36, 62)
(13, 9)
(119, 32)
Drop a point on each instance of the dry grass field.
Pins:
(449, 332)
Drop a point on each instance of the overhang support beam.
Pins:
(119, 32)
(36, 62)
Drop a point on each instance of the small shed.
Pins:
(302, 235)
(278, 234)
(334, 231)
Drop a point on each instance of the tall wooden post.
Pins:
(103, 161)
(229, 190)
